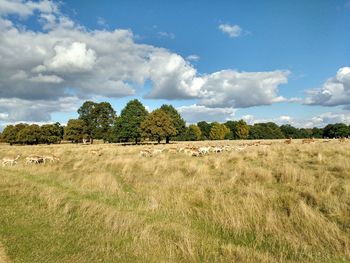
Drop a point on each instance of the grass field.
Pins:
(277, 203)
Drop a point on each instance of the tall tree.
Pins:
(98, 117)
(128, 124)
(205, 129)
(289, 131)
(268, 130)
(218, 131)
(176, 119)
(75, 130)
(158, 125)
(193, 133)
(239, 130)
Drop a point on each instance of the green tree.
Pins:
(218, 131)
(98, 117)
(268, 130)
(158, 125)
(75, 131)
(176, 119)
(10, 132)
(31, 134)
(128, 124)
(239, 130)
(205, 129)
(193, 133)
(289, 131)
(336, 130)
(51, 133)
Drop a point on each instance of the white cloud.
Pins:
(195, 113)
(25, 8)
(39, 66)
(164, 34)
(231, 30)
(193, 57)
(229, 88)
(334, 92)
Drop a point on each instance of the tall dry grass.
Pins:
(277, 203)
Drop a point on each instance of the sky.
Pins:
(281, 61)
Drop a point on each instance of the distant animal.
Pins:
(342, 139)
(204, 150)
(34, 159)
(50, 158)
(145, 153)
(10, 161)
(289, 141)
(308, 140)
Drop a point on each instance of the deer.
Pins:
(10, 161)
(145, 153)
(50, 158)
(289, 141)
(34, 159)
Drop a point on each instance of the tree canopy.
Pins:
(128, 124)
(178, 122)
(75, 131)
(218, 131)
(158, 125)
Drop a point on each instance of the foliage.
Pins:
(75, 131)
(158, 125)
(127, 126)
(336, 130)
(268, 130)
(193, 133)
(98, 117)
(31, 134)
(218, 131)
(178, 122)
(290, 132)
(205, 129)
(51, 133)
(10, 132)
(239, 130)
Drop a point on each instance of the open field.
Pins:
(267, 203)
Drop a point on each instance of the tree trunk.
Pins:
(136, 140)
(167, 139)
(158, 140)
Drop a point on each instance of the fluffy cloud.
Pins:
(334, 92)
(230, 88)
(231, 30)
(195, 113)
(47, 66)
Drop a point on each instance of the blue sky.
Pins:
(213, 60)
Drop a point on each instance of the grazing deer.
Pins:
(308, 140)
(50, 158)
(342, 139)
(204, 150)
(34, 159)
(289, 141)
(145, 153)
(10, 161)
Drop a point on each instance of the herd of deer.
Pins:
(31, 159)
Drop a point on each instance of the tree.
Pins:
(176, 119)
(51, 133)
(239, 130)
(158, 125)
(128, 124)
(218, 131)
(268, 130)
(205, 129)
(290, 132)
(193, 133)
(75, 131)
(336, 130)
(10, 132)
(98, 117)
(31, 134)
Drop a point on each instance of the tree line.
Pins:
(135, 123)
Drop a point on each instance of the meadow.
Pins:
(105, 203)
